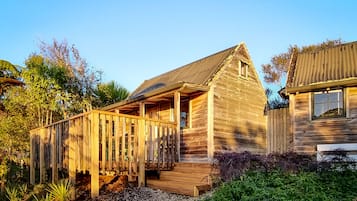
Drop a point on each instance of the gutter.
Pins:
(321, 85)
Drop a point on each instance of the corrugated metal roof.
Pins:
(197, 72)
(324, 66)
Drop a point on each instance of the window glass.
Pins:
(184, 115)
(328, 104)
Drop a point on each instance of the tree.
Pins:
(80, 80)
(8, 77)
(276, 70)
(109, 93)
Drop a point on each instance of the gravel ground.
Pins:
(144, 193)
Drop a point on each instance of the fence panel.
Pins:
(279, 136)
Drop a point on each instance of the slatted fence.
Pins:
(279, 135)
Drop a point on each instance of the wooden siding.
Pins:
(308, 133)
(279, 136)
(194, 139)
(239, 102)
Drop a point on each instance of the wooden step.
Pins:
(182, 188)
(186, 178)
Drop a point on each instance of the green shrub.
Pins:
(279, 185)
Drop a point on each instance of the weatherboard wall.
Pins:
(238, 114)
(308, 133)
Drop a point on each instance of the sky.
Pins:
(131, 41)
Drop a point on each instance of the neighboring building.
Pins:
(322, 89)
(219, 100)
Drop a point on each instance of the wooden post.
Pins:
(32, 158)
(104, 141)
(72, 155)
(54, 132)
(86, 146)
(60, 146)
(117, 142)
(94, 165)
(110, 143)
(292, 120)
(42, 155)
(177, 112)
(210, 123)
(141, 146)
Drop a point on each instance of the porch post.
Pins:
(141, 145)
(177, 112)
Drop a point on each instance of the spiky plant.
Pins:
(60, 191)
(12, 194)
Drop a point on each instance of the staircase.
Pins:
(186, 178)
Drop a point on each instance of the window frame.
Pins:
(243, 73)
(185, 115)
(328, 91)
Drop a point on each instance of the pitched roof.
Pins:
(198, 72)
(324, 68)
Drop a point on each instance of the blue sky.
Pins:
(131, 41)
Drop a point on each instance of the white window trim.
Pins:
(312, 103)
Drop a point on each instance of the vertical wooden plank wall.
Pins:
(279, 136)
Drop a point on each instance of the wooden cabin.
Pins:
(218, 99)
(173, 123)
(322, 89)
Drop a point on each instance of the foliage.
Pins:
(80, 79)
(16, 193)
(280, 185)
(275, 102)
(57, 84)
(4, 168)
(286, 176)
(276, 70)
(8, 77)
(13, 194)
(109, 93)
(60, 191)
(234, 165)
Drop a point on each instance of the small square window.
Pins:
(243, 69)
(328, 104)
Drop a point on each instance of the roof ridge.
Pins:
(196, 61)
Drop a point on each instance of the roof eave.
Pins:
(180, 86)
(322, 85)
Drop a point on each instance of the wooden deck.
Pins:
(101, 142)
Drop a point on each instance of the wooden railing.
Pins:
(101, 142)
